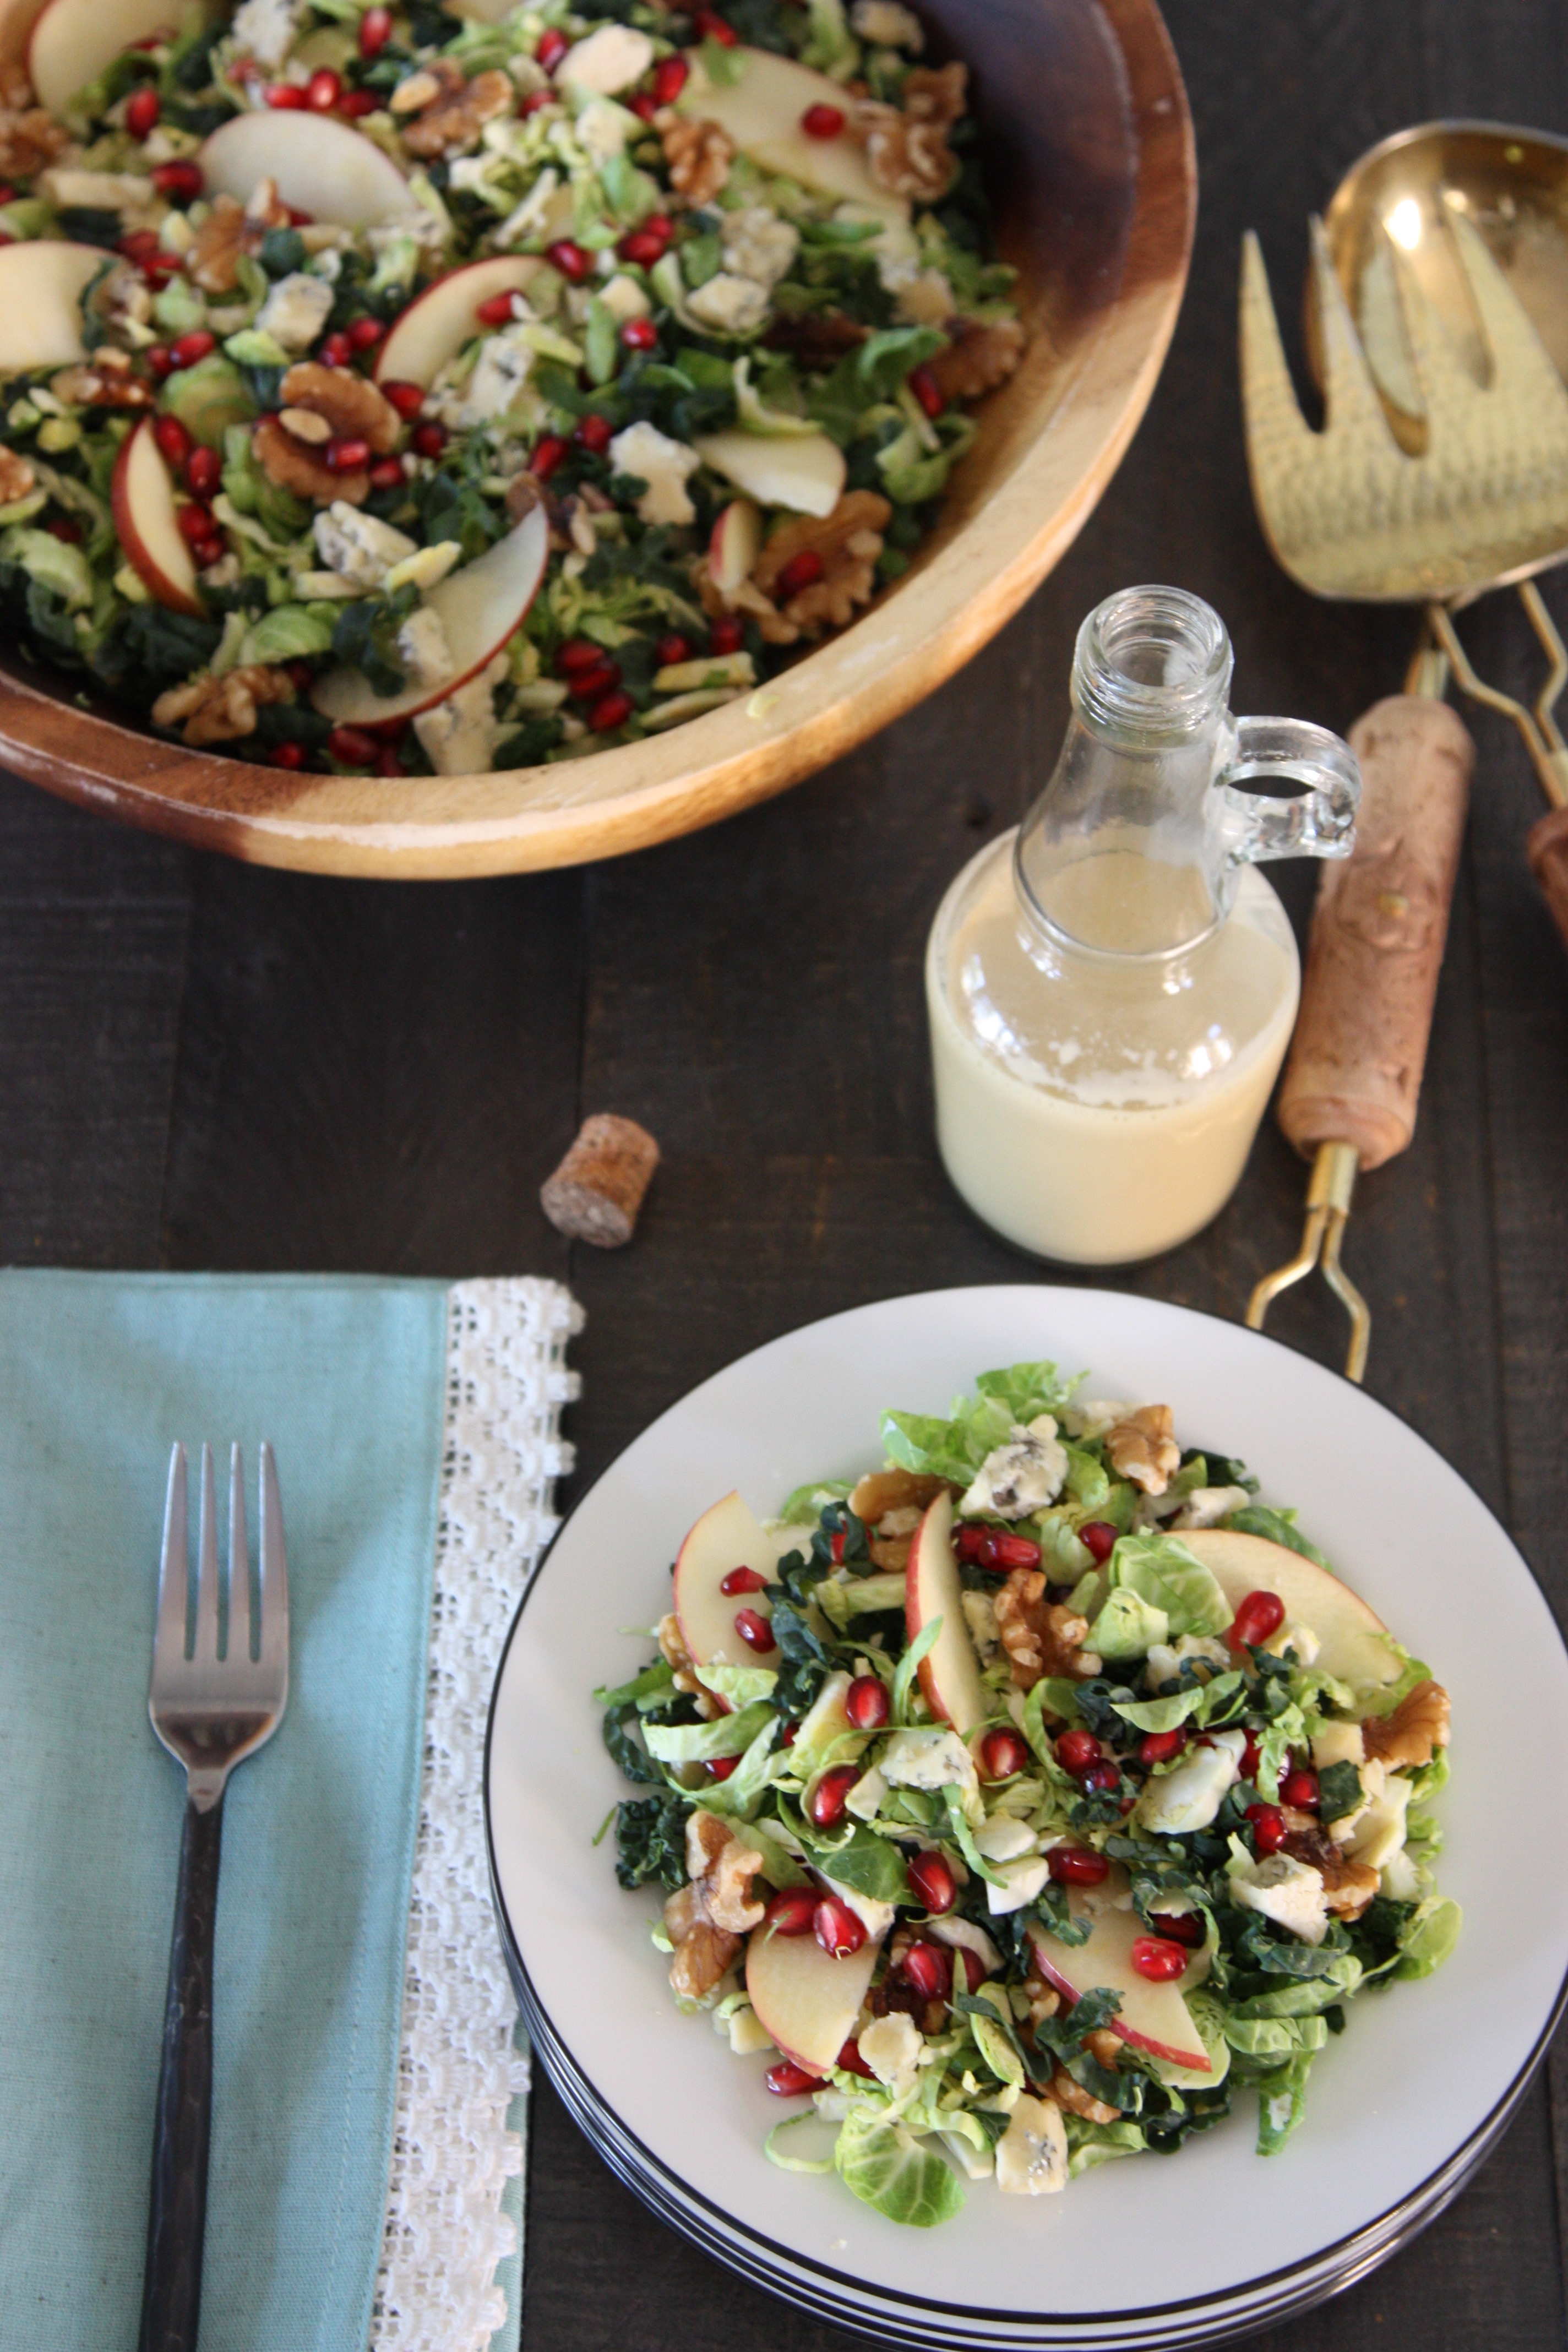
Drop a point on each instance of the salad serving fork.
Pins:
(212, 1704)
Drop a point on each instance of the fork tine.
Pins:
(238, 1562)
(173, 1566)
(1350, 396)
(1519, 357)
(274, 1575)
(205, 1645)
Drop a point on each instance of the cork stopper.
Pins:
(597, 1192)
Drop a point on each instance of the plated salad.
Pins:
(1018, 1805)
(391, 389)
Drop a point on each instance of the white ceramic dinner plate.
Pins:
(1153, 2251)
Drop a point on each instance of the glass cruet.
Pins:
(1111, 986)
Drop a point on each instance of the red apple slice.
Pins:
(760, 113)
(803, 471)
(1153, 2017)
(735, 544)
(320, 165)
(1354, 1640)
(480, 607)
(73, 40)
(41, 282)
(804, 1998)
(950, 1671)
(433, 329)
(725, 1538)
(142, 500)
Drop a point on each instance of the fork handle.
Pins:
(176, 2221)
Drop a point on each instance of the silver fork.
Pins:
(210, 1708)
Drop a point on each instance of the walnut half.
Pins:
(221, 709)
(1143, 1448)
(1041, 1637)
(706, 1919)
(1407, 1737)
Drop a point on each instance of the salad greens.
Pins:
(1179, 1824)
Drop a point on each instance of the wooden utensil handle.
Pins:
(176, 2219)
(1378, 930)
(1547, 849)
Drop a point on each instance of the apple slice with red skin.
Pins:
(950, 1671)
(438, 323)
(142, 502)
(734, 545)
(1153, 2017)
(73, 40)
(760, 112)
(1354, 1640)
(481, 607)
(318, 165)
(41, 284)
(804, 1998)
(727, 1537)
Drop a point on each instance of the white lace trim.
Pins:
(452, 2154)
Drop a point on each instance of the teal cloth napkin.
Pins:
(99, 1375)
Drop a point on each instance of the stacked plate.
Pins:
(1151, 2253)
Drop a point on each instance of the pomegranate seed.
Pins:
(671, 650)
(578, 652)
(548, 452)
(181, 183)
(641, 105)
(367, 332)
(727, 635)
(712, 28)
(1002, 1753)
(640, 245)
(7, 192)
(788, 2080)
(64, 528)
(1101, 1777)
(1269, 1831)
(375, 31)
(143, 109)
(786, 1738)
(613, 712)
(347, 456)
(1301, 1789)
(352, 745)
(355, 103)
(323, 91)
(933, 1882)
(826, 1801)
(595, 433)
(203, 472)
(1158, 1746)
(337, 351)
(866, 1704)
(288, 755)
(300, 675)
(1259, 1616)
(141, 247)
(838, 1930)
(197, 523)
(836, 1546)
(974, 1968)
(285, 96)
(172, 439)
(1015, 1551)
(968, 1539)
(389, 761)
(570, 259)
(553, 46)
(296, 219)
(1160, 1961)
(496, 312)
(538, 99)
(742, 1580)
(408, 399)
(208, 551)
(851, 2062)
(670, 78)
(160, 361)
(1188, 1927)
(162, 267)
(804, 570)
(642, 335)
(791, 1913)
(186, 350)
(1098, 1537)
(721, 1767)
(751, 1626)
(927, 391)
(1076, 1751)
(1076, 1865)
(588, 684)
(1250, 1755)
(822, 122)
(388, 475)
(928, 1968)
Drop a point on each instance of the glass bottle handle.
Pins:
(1316, 820)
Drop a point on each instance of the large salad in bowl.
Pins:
(1018, 1805)
(393, 390)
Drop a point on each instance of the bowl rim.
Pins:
(857, 682)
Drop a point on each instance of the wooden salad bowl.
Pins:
(1088, 148)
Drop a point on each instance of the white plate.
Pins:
(1155, 2250)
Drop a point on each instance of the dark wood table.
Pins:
(207, 1065)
